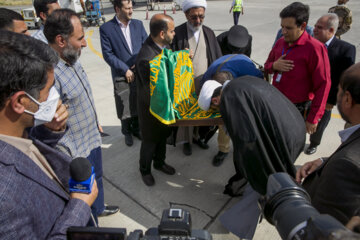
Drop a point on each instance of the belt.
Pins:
(303, 108)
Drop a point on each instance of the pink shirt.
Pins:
(310, 77)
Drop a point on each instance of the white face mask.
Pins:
(47, 109)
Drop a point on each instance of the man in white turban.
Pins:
(202, 43)
(187, 4)
(210, 94)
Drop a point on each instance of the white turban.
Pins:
(187, 4)
(206, 93)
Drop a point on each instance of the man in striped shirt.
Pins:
(65, 34)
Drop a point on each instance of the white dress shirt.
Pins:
(126, 31)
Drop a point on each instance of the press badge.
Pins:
(278, 77)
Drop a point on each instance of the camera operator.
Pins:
(333, 183)
(34, 203)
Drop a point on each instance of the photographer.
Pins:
(334, 183)
(34, 203)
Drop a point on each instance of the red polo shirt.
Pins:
(310, 77)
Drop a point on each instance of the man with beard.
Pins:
(154, 133)
(333, 183)
(121, 40)
(65, 34)
(205, 49)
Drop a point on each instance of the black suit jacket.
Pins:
(152, 129)
(341, 56)
(334, 187)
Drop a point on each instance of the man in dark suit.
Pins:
(341, 56)
(334, 183)
(153, 145)
(121, 40)
(35, 202)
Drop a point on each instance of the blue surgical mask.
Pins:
(47, 109)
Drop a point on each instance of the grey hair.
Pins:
(333, 20)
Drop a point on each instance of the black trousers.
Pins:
(236, 16)
(152, 151)
(207, 132)
(130, 126)
(303, 108)
(315, 139)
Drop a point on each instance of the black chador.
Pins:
(267, 131)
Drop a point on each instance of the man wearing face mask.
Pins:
(65, 34)
(35, 202)
(205, 49)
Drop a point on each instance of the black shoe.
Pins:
(109, 210)
(167, 169)
(311, 150)
(201, 143)
(148, 179)
(187, 149)
(128, 140)
(138, 135)
(235, 188)
(219, 158)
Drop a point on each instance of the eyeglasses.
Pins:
(201, 17)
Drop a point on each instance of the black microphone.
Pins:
(82, 175)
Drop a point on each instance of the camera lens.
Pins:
(287, 205)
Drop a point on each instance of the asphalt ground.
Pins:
(197, 185)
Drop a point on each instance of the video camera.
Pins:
(175, 224)
(287, 206)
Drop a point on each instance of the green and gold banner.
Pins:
(172, 88)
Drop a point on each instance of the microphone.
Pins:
(82, 175)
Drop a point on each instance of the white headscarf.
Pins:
(187, 4)
(206, 93)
